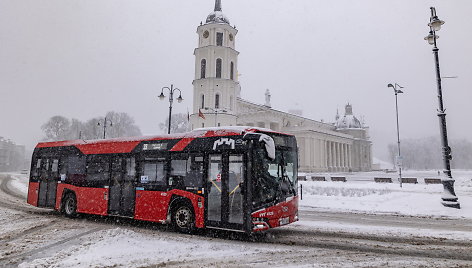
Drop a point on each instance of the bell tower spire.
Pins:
(217, 5)
(215, 86)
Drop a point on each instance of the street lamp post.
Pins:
(105, 126)
(399, 159)
(449, 198)
(171, 100)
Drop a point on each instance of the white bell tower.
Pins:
(216, 86)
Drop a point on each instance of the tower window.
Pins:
(202, 106)
(231, 73)
(218, 68)
(217, 101)
(203, 68)
(219, 39)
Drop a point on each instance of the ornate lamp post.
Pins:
(171, 100)
(399, 158)
(105, 126)
(449, 198)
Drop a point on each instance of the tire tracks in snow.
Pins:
(14, 260)
(15, 200)
(4, 187)
(28, 231)
(421, 248)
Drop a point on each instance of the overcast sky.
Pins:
(83, 58)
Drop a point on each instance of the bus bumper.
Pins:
(280, 214)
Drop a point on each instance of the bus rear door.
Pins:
(48, 177)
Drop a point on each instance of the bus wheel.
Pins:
(183, 218)
(70, 206)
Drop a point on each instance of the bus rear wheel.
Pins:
(183, 218)
(70, 206)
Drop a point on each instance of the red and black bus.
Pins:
(235, 178)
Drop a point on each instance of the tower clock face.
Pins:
(206, 34)
(231, 37)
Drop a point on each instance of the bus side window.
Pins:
(36, 169)
(55, 168)
(130, 167)
(194, 176)
(153, 173)
(75, 169)
(63, 165)
(98, 171)
(178, 170)
(44, 168)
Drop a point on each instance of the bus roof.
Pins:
(126, 145)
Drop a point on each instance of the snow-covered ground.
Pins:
(361, 194)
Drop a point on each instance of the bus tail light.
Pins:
(200, 204)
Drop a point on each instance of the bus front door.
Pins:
(225, 201)
(122, 187)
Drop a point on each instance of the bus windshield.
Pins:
(275, 179)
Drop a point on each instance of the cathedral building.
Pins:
(341, 146)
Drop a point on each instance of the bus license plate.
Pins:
(284, 221)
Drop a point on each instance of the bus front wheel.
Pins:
(183, 218)
(70, 205)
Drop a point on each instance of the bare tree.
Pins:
(56, 128)
(118, 125)
(426, 153)
(121, 125)
(75, 130)
(179, 124)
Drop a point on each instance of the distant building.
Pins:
(12, 156)
(340, 146)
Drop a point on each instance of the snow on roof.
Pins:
(238, 129)
(348, 121)
(217, 17)
(197, 133)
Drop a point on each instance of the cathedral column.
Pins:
(330, 156)
(349, 147)
(312, 154)
(343, 161)
(325, 154)
(346, 167)
(333, 154)
(309, 147)
(338, 156)
(350, 156)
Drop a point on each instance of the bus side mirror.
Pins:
(266, 139)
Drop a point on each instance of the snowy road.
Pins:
(33, 237)
(399, 221)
